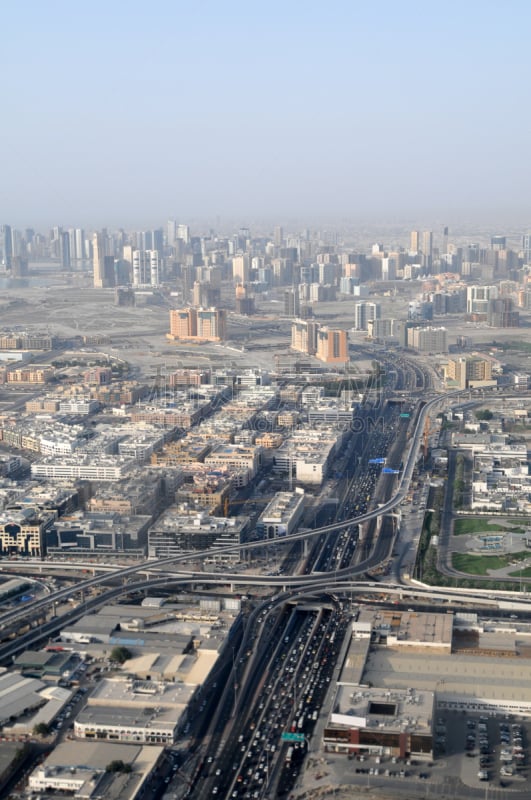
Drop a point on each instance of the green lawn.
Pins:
(477, 525)
(480, 565)
(524, 573)
(477, 565)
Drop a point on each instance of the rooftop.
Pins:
(390, 710)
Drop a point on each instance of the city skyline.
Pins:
(357, 113)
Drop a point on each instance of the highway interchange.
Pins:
(275, 671)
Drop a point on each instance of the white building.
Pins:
(79, 405)
(281, 516)
(363, 312)
(103, 469)
(477, 298)
(428, 339)
(146, 268)
(140, 711)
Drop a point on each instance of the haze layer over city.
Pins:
(374, 112)
(265, 401)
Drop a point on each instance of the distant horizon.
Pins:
(371, 230)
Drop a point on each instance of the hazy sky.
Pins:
(124, 112)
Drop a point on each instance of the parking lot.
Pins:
(485, 748)
(476, 755)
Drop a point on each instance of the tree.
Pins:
(41, 729)
(118, 766)
(120, 654)
(484, 414)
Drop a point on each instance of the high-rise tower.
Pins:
(6, 246)
(98, 259)
(427, 249)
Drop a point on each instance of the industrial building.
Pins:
(80, 769)
(133, 711)
(376, 708)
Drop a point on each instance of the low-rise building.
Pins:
(281, 516)
(175, 533)
(207, 491)
(133, 710)
(80, 769)
(91, 533)
(236, 458)
(108, 468)
(397, 722)
(79, 405)
(23, 532)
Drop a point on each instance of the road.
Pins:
(379, 553)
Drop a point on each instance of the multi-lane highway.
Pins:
(379, 552)
(250, 732)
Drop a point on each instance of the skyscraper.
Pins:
(102, 261)
(498, 242)
(66, 260)
(240, 268)
(6, 246)
(427, 249)
(79, 237)
(526, 247)
(98, 258)
(183, 232)
(146, 268)
(171, 232)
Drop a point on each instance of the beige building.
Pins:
(240, 268)
(31, 375)
(235, 457)
(332, 346)
(98, 260)
(204, 324)
(42, 405)
(304, 336)
(269, 440)
(428, 339)
(210, 493)
(183, 323)
(22, 533)
(183, 451)
(466, 371)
